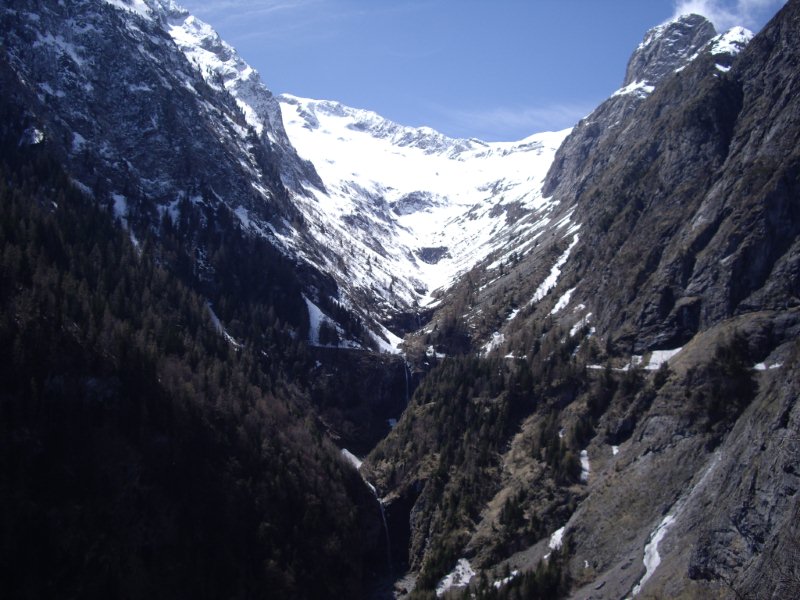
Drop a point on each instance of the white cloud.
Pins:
(728, 13)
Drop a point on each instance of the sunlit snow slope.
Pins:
(393, 213)
(408, 209)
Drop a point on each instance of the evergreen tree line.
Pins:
(141, 453)
(448, 448)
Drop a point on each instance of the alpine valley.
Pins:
(259, 346)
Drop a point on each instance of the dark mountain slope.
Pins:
(558, 449)
(698, 220)
(142, 454)
(137, 126)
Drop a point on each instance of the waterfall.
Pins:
(386, 530)
(405, 372)
(356, 462)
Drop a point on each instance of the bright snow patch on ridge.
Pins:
(550, 281)
(651, 557)
(585, 468)
(639, 88)
(458, 577)
(562, 302)
(732, 41)
(556, 539)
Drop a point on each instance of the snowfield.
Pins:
(412, 207)
(394, 214)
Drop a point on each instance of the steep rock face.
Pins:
(161, 121)
(516, 281)
(665, 48)
(132, 116)
(223, 68)
(682, 250)
(706, 203)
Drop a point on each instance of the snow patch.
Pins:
(580, 325)
(659, 357)
(765, 367)
(506, 580)
(556, 539)
(120, 206)
(585, 467)
(563, 302)
(638, 88)
(732, 41)
(387, 341)
(651, 557)
(614, 450)
(552, 278)
(32, 136)
(497, 339)
(460, 576)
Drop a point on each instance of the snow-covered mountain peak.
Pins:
(221, 67)
(731, 42)
(667, 47)
(413, 207)
(424, 138)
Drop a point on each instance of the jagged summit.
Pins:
(223, 69)
(731, 42)
(424, 138)
(667, 47)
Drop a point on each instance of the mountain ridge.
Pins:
(594, 394)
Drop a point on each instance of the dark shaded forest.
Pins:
(143, 455)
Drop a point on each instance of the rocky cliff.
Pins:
(634, 430)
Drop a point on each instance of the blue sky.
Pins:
(495, 70)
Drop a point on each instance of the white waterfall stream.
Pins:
(357, 462)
